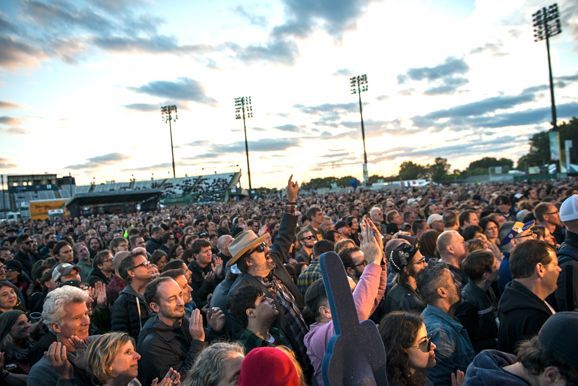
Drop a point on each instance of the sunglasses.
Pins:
(425, 346)
(308, 238)
(259, 248)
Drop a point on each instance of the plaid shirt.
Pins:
(311, 274)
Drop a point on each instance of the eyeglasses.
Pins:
(143, 264)
(556, 212)
(363, 263)
(308, 238)
(421, 261)
(424, 346)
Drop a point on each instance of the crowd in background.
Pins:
(468, 284)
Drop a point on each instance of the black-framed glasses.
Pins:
(145, 263)
(363, 263)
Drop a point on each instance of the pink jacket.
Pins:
(366, 295)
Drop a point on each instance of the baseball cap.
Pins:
(63, 269)
(557, 339)
(569, 209)
(517, 229)
(434, 217)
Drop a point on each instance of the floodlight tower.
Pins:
(358, 85)
(546, 23)
(244, 110)
(167, 116)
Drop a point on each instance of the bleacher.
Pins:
(197, 189)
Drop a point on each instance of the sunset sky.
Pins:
(82, 83)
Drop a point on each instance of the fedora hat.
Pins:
(243, 243)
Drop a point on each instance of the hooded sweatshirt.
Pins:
(521, 315)
(487, 370)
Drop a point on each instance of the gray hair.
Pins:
(53, 309)
(209, 368)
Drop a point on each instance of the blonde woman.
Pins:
(113, 361)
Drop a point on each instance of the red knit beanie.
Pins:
(268, 366)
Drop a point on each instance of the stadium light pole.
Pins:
(167, 116)
(358, 85)
(546, 23)
(244, 110)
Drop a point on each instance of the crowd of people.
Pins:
(465, 285)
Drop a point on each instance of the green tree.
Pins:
(409, 170)
(481, 166)
(439, 169)
(539, 153)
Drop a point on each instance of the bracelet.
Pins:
(291, 203)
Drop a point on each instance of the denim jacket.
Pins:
(454, 350)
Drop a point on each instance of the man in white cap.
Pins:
(567, 292)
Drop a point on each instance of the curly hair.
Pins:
(209, 366)
(398, 331)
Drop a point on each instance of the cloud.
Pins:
(4, 120)
(303, 17)
(69, 29)
(8, 105)
(450, 86)
(328, 108)
(483, 106)
(101, 160)
(335, 17)
(154, 45)
(163, 165)
(15, 54)
(446, 77)
(184, 89)
(288, 127)
(472, 147)
(494, 49)
(276, 50)
(6, 164)
(450, 67)
(143, 107)
(261, 145)
(259, 21)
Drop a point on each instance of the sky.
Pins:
(82, 83)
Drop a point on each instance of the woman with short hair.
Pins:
(113, 361)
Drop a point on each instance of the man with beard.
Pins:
(454, 349)
(263, 268)
(307, 241)
(168, 339)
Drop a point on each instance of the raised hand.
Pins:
(196, 328)
(292, 189)
(371, 241)
(100, 293)
(216, 319)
